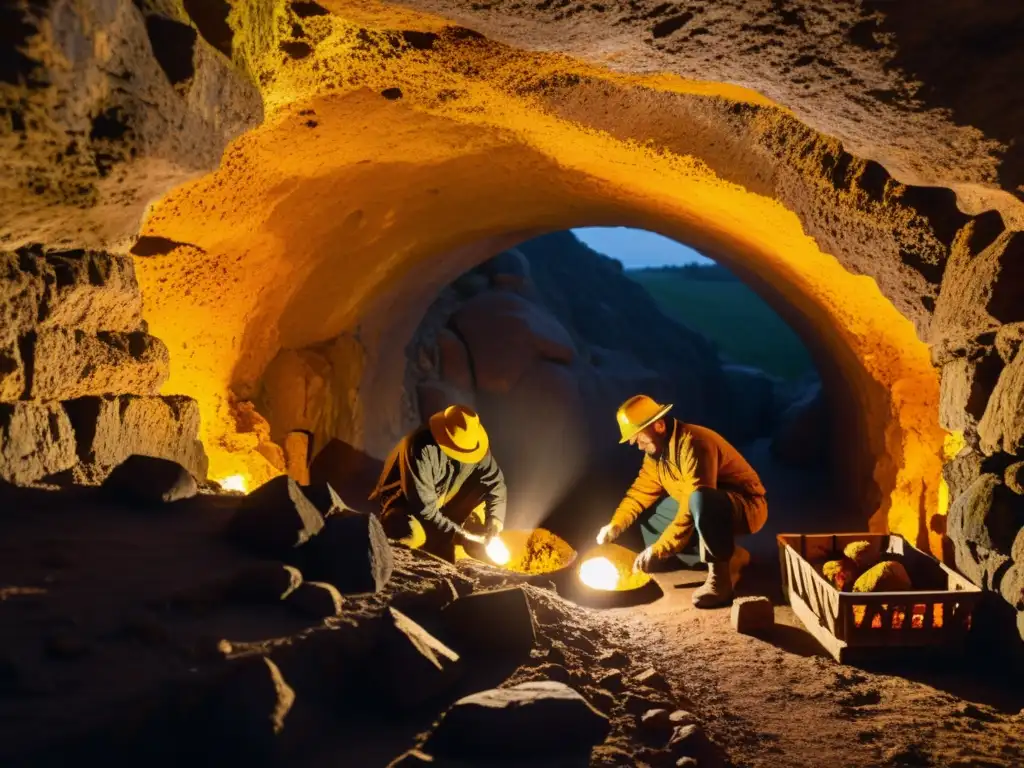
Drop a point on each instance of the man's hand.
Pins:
(608, 533)
(643, 561)
(494, 527)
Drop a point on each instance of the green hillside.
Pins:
(746, 330)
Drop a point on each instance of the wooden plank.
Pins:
(832, 645)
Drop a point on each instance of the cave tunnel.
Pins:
(245, 247)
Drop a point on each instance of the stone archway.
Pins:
(391, 136)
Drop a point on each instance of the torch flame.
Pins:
(234, 483)
(498, 552)
(599, 573)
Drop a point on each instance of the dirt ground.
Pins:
(780, 701)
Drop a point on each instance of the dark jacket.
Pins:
(421, 478)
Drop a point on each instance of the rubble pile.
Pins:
(217, 648)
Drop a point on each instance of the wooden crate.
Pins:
(937, 614)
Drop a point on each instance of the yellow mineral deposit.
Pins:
(498, 551)
(599, 573)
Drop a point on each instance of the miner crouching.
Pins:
(440, 481)
(691, 479)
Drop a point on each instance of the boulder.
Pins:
(752, 614)
(275, 519)
(266, 582)
(67, 364)
(653, 679)
(455, 365)
(316, 600)
(960, 472)
(965, 387)
(505, 335)
(613, 659)
(89, 290)
(35, 441)
(110, 429)
(349, 470)
(1001, 427)
(987, 515)
(411, 666)
(655, 725)
(350, 551)
(539, 718)
(486, 623)
(149, 480)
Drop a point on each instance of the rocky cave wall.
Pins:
(840, 156)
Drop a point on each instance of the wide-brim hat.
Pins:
(459, 433)
(638, 413)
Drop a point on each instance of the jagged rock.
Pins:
(653, 679)
(987, 514)
(275, 519)
(1009, 338)
(655, 725)
(411, 666)
(688, 740)
(349, 470)
(637, 705)
(687, 762)
(455, 366)
(427, 602)
(68, 364)
(961, 472)
(149, 480)
(317, 600)
(109, 429)
(528, 333)
(241, 719)
(266, 582)
(492, 724)
(965, 388)
(752, 614)
(613, 659)
(35, 441)
(1001, 427)
(351, 552)
(612, 681)
(486, 623)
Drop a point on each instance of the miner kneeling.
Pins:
(701, 482)
(438, 479)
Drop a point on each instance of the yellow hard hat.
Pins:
(637, 413)
(459, 433)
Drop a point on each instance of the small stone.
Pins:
(615, 659)
(682, 717)
(317, 600)
(264, 582)
(688, 740)
(66, 645)
(637, 705)
(601, 700)
(653, 679)
(686, 762)
(612, 681)
(752, 614)
(655, 725)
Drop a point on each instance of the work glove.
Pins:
(608, 533)
(494, 527)
(643, 561)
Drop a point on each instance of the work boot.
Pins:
(717, 590)
(739, 560)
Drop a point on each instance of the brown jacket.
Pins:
(696, 457)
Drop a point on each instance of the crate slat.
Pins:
(831, 615)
